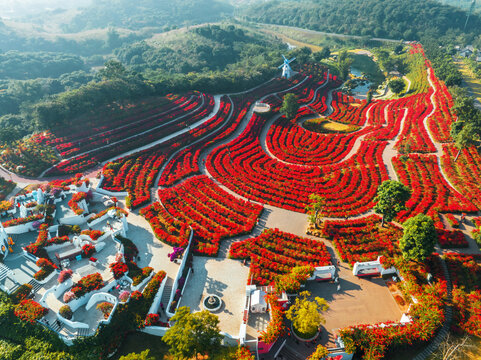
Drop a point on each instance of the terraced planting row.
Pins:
(212, 213)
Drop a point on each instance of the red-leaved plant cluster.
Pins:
(275, 253)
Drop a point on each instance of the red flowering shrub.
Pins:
(136, 295)
(243, 353)
(118, 269)
(87, 250)
(276, 326)
(363, 239)
(30, 311)
(76, 198)
(87, 284)
(465, 273)
(152, 319)
(153, 286)
(451, 239)
(20, 221)
(452, 220)
(165, 227)
(103, 212)
(213, 213)
(46, 268)
(106, 308)
(465, 172)
(275, 253)
(94, 234)
(38, 247)
(245, 168)
(430, 191)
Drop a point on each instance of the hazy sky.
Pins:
(19, 8)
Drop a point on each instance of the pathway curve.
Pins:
(389, 151)
(409, 84)
(437, 145)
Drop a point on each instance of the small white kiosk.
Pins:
(258, 302)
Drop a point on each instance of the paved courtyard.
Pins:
(359, 301)
(152, 251)
(225, 278)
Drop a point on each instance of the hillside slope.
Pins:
(396, 19)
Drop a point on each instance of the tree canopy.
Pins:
(419, 238)
(397, 86)
(315, 208)
(305, 314)
(291, 282)
(391, 199)
(290, 105)
(394, 19)
(144, 355)
(193, 333)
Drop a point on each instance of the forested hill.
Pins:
(148, 13)
(395, 19)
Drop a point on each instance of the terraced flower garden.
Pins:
(207, 169)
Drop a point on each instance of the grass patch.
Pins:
(324, 126)
(471, 82)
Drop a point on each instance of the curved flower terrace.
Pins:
(225, 190)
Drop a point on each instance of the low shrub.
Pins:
(21, 293)
(66, 312)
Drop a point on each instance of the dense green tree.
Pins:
(315, 208)
(305, 314)
(320, 353)
(291, 282)
(419, 238)
(344, 63)
(391, 199)
(399, 49)
(31, 65)
(113, 69)
(397, 86)
(442, 62)
(193, 333)
(465, 137)
(290, 105)
(144, 355)
(369, 96)
(324, 53)
(113, 39)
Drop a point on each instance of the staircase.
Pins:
(4, 270)
(441, 335)
(290, 354)
(35, 285)
(167, 292)
(169, 283)
(56, 326)
(83, 332)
